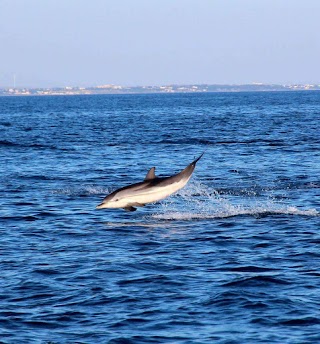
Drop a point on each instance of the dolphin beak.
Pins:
(99, 206)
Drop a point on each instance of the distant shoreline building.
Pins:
(116, 89)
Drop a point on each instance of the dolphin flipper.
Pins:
(130, 208)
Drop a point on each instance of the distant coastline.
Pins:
(115, 89)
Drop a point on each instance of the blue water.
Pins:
(232, 258)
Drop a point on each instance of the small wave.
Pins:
(256, 190)
(196, 141)
(249, 268)
(40, 146)
(20, 218)
(38, 177)
(6, 124)
(189, 141)
(256, 281)
(307, 321)
(8, 143)
(313, 185)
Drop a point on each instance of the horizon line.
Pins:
(112, 85)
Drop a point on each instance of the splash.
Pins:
(86, 190)
(198, 201)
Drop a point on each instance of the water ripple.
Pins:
(231, 258)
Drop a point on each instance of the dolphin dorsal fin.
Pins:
(150, 175)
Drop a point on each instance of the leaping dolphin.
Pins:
(152, 189)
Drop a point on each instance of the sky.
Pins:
(48, 43)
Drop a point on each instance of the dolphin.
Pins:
(151, 190)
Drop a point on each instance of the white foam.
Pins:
(200, 202)
(82, 190)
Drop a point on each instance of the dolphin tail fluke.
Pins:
(195, 161)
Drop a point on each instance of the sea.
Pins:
(234, 257)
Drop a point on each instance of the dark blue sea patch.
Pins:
(231, 258)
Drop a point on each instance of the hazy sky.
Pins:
(154, 42)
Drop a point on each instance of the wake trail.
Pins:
(198, 201)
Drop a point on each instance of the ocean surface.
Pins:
(232, 258)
